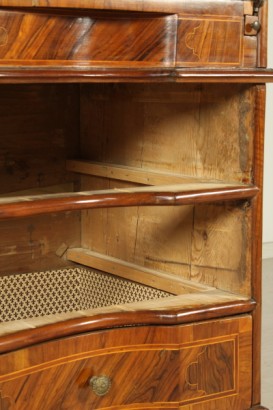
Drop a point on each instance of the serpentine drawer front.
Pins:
(138, 368)
(36, 37)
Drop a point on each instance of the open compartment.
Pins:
(149, 183)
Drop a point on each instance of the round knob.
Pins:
(256, 25)
(100, 385)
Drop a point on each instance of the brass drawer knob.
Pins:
(100, 385)
(256, 25)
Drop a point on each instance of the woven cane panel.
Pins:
(100, 289)
(40, 293)
(65, 290)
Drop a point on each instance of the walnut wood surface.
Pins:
(175, 368)
(12, 75)
(169, 41)
(257, 238)
(227, 7)
(87, 40)
(197, 35)
(27, 206)
(209, 42)
(168, 316)
(263, 35)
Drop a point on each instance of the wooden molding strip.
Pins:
(166, 195)
(125, 173)
(110, 320)
(58, 74)
(250, 76)
(160, 280)
(159, 6)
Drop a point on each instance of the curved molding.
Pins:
(162, 317)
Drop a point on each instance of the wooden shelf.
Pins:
(125, 173)
(163, 195)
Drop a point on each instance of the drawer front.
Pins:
(31, 38)
(169, 368)
(213, 37)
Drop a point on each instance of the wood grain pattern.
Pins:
(35, 137)
(168, 195)
(167, 372)
(160, 280)
(35, 141)
(166, 375)
(263, 35)
(250, 51)
(160, 123)
(248, 7)
(161, 119)
(87, 40)
(210, 38)
(227, 7)
(13, 75)
(257, 236)
(32, 244)
(187, 308)
(125, 173)
(204, 42)
(197, 131)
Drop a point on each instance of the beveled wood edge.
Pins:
(43, 74)
(147, 196)
(165, 6)
(164, 317)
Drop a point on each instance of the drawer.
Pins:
(137, 368)
(192, 36)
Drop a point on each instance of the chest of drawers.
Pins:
(131, 161)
